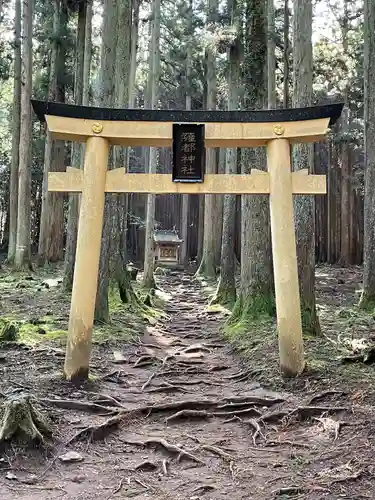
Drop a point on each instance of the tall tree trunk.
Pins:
(207, 266)
(87, 54)
(304, 206)
(219, 207)
(77, 150)
(22, 255)
(119, 202)
(201, 205)
(188, 83)
(51, 221)
(226, 290)
(132, 99)
(345, 154)
(105, 98)
(134, 51)
(368, 294)
(13, 186)
(148, 275)
(256, 295)
(271, 56)
(286, 52)
(56, 222)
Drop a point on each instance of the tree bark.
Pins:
(345, 154)
(105, 98)
(368, 294)
(52, 217)
(226, 290)
(188, 83)
(13, 186)
(271, 56)
(256, 295)
(148, 274)
(23, 252)
(304, 206)
(286, 52)
(119, 202)
(134, 51)
(77, 149)
(207, 266)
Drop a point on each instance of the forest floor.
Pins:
(180, 407)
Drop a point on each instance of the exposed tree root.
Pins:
(144, 485)
(249, 400)
(184, 405)
(236, 376)
(324, 394)
(145, 361)
(203, 488)
(243, 375)
(148, 381)
(171, 448)
(217, 451)
(106, 399)
(115, 376)
(167, 388)
(218, 368)
(150, 346)
(167, 358)
(194, 348)
(117, 489)
(245, 411)
(302, 412)
(189, 414)
(98, 432)
(21, 418)
(70, 404)
(146, 466)
(165, 467)
(258, 431)
(196, 382)
(187, 362)
(294, 444)
(277, 416)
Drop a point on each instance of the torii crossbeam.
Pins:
(99, 128)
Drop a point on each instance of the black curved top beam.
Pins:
(331, 111)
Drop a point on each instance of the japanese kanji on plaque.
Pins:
(188, 153)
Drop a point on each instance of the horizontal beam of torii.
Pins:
(117, 181)
(100, 128)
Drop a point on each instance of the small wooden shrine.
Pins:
(167, 247)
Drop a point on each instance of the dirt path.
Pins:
(243, 442)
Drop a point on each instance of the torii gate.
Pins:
(99, 128)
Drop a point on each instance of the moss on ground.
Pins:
(257, 342)
(30, 333)
(251, 336)
(128, 320)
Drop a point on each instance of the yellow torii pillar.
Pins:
(100, 128)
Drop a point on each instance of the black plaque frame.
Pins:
(199, 153)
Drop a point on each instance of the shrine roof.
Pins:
(166, 236)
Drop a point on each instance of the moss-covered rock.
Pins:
(9, 332)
